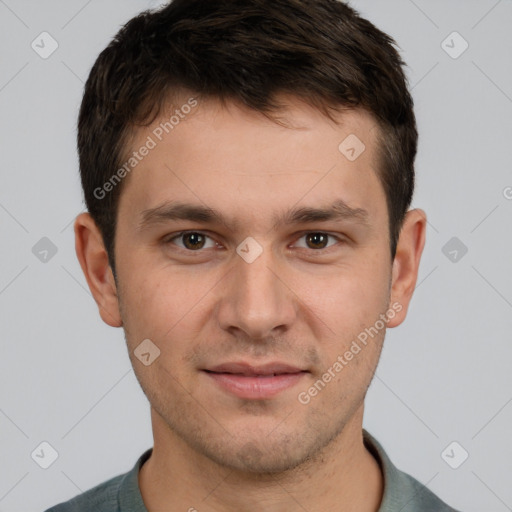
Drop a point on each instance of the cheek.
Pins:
(350, 296)
(162, 305)
(348, 308)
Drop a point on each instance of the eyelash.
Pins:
(169, 240)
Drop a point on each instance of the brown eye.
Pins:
(193, 241)
(317, 240)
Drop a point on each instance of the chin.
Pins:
(264, 453)
(255, 459)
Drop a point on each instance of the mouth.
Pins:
(255, 382)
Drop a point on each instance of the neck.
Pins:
(344, 477)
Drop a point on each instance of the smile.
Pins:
(255, 382)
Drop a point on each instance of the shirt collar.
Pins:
(399, 490)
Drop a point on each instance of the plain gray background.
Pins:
(444, 376)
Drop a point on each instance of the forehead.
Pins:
(232, 158)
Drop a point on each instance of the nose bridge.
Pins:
(258, 282)
(255, 300)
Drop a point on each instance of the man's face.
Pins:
(271, 288)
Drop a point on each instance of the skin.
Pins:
(298, 303)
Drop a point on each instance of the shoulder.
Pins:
(421, 498)
(401, 490)
(119, 494)
(102, 498)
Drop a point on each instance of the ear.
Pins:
(406, 263)
(93, 259)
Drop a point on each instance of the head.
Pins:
(280, 135)
(246, 52)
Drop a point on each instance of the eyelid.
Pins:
(170, 238)
(324, 249)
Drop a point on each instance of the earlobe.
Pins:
(93, 259)
(406, 263)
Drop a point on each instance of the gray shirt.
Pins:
(402, 492)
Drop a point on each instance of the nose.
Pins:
(256, 298)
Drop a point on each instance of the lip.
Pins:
(249, 370)
(255, 382)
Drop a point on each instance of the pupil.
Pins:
(193, 240)
(318, 240)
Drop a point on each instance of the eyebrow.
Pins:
(175, 210)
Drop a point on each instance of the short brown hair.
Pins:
(246, 51)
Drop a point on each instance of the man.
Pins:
(248, 168)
